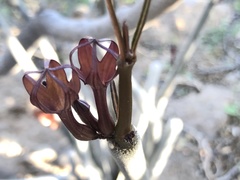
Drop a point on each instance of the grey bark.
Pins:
(51, 23)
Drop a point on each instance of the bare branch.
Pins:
(233, 172)
(51, 23)
(180, 59)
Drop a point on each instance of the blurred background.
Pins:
(205, 95)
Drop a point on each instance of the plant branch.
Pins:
(51, 23)
(116, 28)
(140, 25)
(179, 62)
(235, 170)
(123, 126)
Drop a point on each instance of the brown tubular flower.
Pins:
(93, 71)
(97, 73)
(53, 93)
(83, 110)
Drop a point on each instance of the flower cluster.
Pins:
(53, 92)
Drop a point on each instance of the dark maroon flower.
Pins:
(93, 71)
(97, 73)
(83, 110)
(53, 93)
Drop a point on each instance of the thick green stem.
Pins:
(126, 145)
(125, 101)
